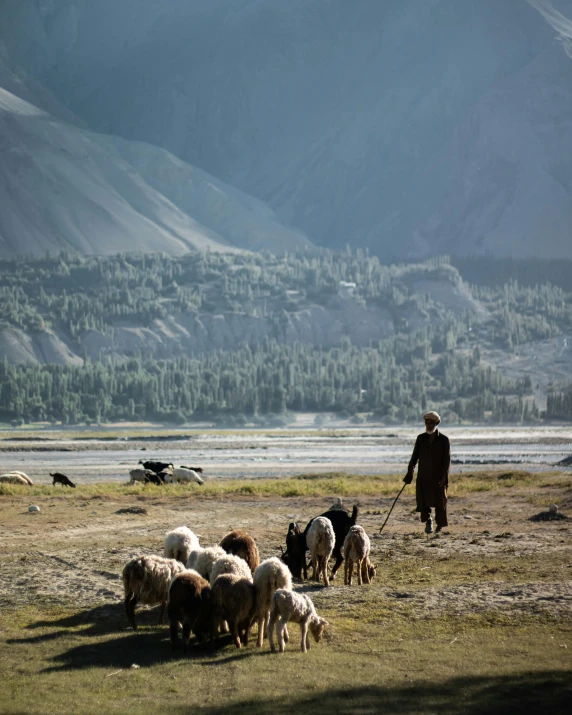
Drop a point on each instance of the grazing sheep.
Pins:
(241, 544)
(179, 543)
(140, 475)
(14, 479)
(183, 475)
(321, 540)
(146, 579)
(59, 478)
(189, 604)
(342, 522)
(23, 475)
(230, 564)
(156, 466)
(234, 602)
(297, 607)
(268, 577)
(295, 555)
(357, 547)
(202, 560)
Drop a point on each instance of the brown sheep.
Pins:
(190, 601)
(241, 544)
(234, 602)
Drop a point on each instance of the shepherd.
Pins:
(433, 453)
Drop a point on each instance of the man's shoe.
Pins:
(429, 526)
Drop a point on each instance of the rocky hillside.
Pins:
(413, 127)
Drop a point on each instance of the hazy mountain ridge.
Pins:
(411, 127)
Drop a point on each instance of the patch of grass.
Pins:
(368, 662)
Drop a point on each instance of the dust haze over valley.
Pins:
(411, 128)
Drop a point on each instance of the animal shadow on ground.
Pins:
(543, 692)
(98, 621)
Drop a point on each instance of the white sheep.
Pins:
(181, 474)
(229, 563)
(270, 575)
(14, 479)
(146, 579)
(22, 474)
(321, 540)
(179, 543)
(297, 607)
(202, 560)
(140, 475)
(357, 547)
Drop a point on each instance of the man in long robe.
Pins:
(433, 453)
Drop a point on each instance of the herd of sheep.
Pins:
(227, 588)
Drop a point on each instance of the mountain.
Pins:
(63, 187)
(412, 127)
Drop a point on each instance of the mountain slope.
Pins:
(411, 127)
(62, 187)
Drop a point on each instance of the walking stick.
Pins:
(394, 503)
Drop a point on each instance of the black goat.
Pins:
(295, 555)
(157, 479)
(59, 478)
(156, 466)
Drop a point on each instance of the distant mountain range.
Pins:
(410, 127)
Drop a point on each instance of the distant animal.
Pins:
(59, 478)
(140, 475)
(181, 474)
(14, 479)
(23, 475)
(156, 466)
(194, 469)
(153, 478)
(240, 543)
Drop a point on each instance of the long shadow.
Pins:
(545, 693)
(98, 621)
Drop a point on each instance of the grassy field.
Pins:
(477, 620)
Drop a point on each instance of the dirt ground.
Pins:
(492, 558)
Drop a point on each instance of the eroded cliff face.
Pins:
(319, 325)
(413, 127)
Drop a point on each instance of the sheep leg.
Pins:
(162, 612)
(280, 630)
(305, 641)
(365, 570)
(271, 625)
(186, 635)
(130, 603)
(286, 636)
(324, 565)
(359, 571)
(235, 633)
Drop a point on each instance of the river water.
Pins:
(267, 453)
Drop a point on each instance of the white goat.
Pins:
(297, 607)
(179, 543)
(202, 560)
(146, 579)
(181, 474)
(22, 474)
(357, 547)
(321, 540)
(270, 575)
